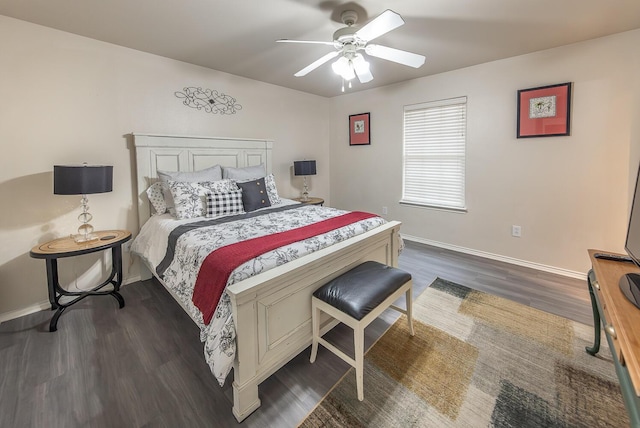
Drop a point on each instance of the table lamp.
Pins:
(82, 180)
(304, 168)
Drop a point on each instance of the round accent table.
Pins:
(310, 201)
(66, 247)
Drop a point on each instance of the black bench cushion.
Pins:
(360, 290)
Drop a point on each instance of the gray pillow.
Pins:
(213, 173)
(247, 173)
(254, 195)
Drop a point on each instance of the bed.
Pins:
(271, 309)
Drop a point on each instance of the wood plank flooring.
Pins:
(142, 366)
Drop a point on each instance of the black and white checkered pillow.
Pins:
(219, 204)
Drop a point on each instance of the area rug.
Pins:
(478, 360)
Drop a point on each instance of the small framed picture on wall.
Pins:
(544, 111)
(359, 129)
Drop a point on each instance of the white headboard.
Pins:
(184, 153)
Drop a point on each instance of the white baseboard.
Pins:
(40, 306)
(514, 261)
(131, 280)
(43, 305)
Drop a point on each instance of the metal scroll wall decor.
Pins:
(208, 100)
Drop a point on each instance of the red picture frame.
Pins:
(544, 111)
(359, 129)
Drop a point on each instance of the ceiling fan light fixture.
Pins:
(343, 67)
(349, 42)
(361, 67)
(337, 67)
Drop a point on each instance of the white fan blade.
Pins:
(305, 41)
(316, 64)
(361, 68)
(395, 55)
(383, 23)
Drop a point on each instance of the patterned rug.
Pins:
(478, 360)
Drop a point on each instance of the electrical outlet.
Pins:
(385, 211)
(516, 231)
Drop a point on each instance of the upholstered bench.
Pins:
(356, 298)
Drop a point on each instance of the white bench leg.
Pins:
(358, 341)
(315, 326)
(409, 300)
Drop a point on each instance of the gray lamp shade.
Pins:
(82, 179)
(305, 167)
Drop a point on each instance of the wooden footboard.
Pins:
(272, 311)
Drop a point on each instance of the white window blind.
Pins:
(434, 154)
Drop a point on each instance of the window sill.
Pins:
(433, 207)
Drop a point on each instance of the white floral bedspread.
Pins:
(193, 246)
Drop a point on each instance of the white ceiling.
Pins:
(238, 36)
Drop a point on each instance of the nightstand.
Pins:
(66, 247)
(311, 201)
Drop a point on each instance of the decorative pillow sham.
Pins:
(213, 173)
(254, 195)
(189, 198)
(219, 204)
(243, 174)
(155, 194)
(272, 191)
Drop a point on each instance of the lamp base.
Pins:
(85, 231)
(80, 238)
(305, 194)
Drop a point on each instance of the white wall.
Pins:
(69, 99)
(568, 193)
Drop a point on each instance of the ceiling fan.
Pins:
(349, 43)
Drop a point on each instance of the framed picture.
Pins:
(359, 129)
(544, 111)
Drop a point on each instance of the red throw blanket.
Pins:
(218, 265)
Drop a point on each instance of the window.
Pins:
(434, 154)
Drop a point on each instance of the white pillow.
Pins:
(155, 194)
(219, 204)
(243, 174)
(190, 198)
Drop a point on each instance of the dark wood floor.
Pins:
(143, 365)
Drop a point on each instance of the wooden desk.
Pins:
(621, 321)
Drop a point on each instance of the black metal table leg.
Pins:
(116, 267)
(56, 292)
(52, 280)
(53, 325)
(596, 316)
